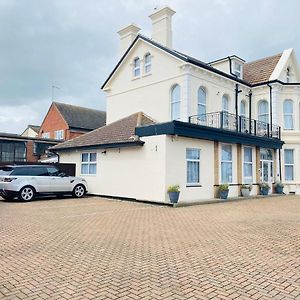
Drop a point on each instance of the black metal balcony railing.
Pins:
(228, 121)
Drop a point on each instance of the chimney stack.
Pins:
(162, 26)
(127, 36)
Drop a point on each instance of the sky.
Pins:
(73, 44)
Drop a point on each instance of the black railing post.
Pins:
(221, 119)
(268, 129)
(279, 132)
(240, 123)
(190, 119)
(255, 127)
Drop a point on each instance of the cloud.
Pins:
(73, 44)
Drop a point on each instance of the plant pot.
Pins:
(174, 196)
(245, 192)
(264, 191)
(224, 194)
(279, 189)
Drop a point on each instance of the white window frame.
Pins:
(201, 105)
(59, 134)
(247, 179)
(263, 116)
(46, 135)
(136, 67)
(238, 69)
(192, 160)
(289, 165)
(147, 64)
(288, 114)
(88, 163)
(227, 162)
(178, 102)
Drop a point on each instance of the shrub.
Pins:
(223, 187)
(279, 184)
(264, 185)
(174, 189)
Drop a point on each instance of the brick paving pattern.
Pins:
(96, 248)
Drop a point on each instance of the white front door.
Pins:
(267, 167)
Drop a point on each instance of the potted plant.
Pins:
(246, 189)
(279, 187)
(264, 188)
(224, 190)
(174, 191)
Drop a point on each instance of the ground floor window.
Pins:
(193, 166)
(88, 163)
(226, 164)
(289, 164)
(248, 165)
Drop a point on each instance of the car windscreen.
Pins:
(5, 171)
(30, 171)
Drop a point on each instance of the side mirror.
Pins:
(62, 174)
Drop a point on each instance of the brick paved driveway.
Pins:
(95, 248)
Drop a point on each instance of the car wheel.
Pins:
(26, 193)
(78, 191)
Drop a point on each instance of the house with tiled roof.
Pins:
(175, 120)
(31, 131)
(65, 121)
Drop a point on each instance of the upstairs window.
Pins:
(59, 134)
(147, 63)
(225, 103)
(288, 114)
(136, 67)
(201, 103)
(46, 135)
(263, 111)
(243, 108)
(237, 69)
(175, 102)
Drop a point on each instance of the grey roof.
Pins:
(81, 117)
(35, 128)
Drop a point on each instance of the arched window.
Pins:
(225, 103)
(288, 114)
(201, 102)
(175, 102)
(136, 67)
(263, 111)
(243, 108)
(147, 63)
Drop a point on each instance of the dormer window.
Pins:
(147, 63)
(237, 69)
(136, 67)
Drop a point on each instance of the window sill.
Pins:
(147, 74)
(194, 185)
(89, 175)
(135, 78)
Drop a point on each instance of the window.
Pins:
(248, 165)
(46, 135)
(136, 67)
(225, 103)
(237, 69)
(193, 166)
(175, 102)
(288, 114)
(59, 135)
(263, 111)
(226, 164)
(201, 103)
(52, 171)
(289, 164)
(243, 108)
(88, 163)
(30, 171)
(147, 65)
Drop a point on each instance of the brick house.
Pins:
(65, 121)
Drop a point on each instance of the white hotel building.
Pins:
(173, 119)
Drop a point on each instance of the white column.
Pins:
(186, 95)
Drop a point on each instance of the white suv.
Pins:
(26, 181)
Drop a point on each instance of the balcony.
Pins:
(227, 121)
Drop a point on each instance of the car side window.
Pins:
(52, 171)
(39, 171)
(22, 171)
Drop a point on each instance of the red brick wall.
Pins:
(30, 157)
(52, 122)
(72, 134)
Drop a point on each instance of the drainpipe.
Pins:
(237, 91)
(250, 110)
(230, 66)
(280, 174)
(271, 105)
